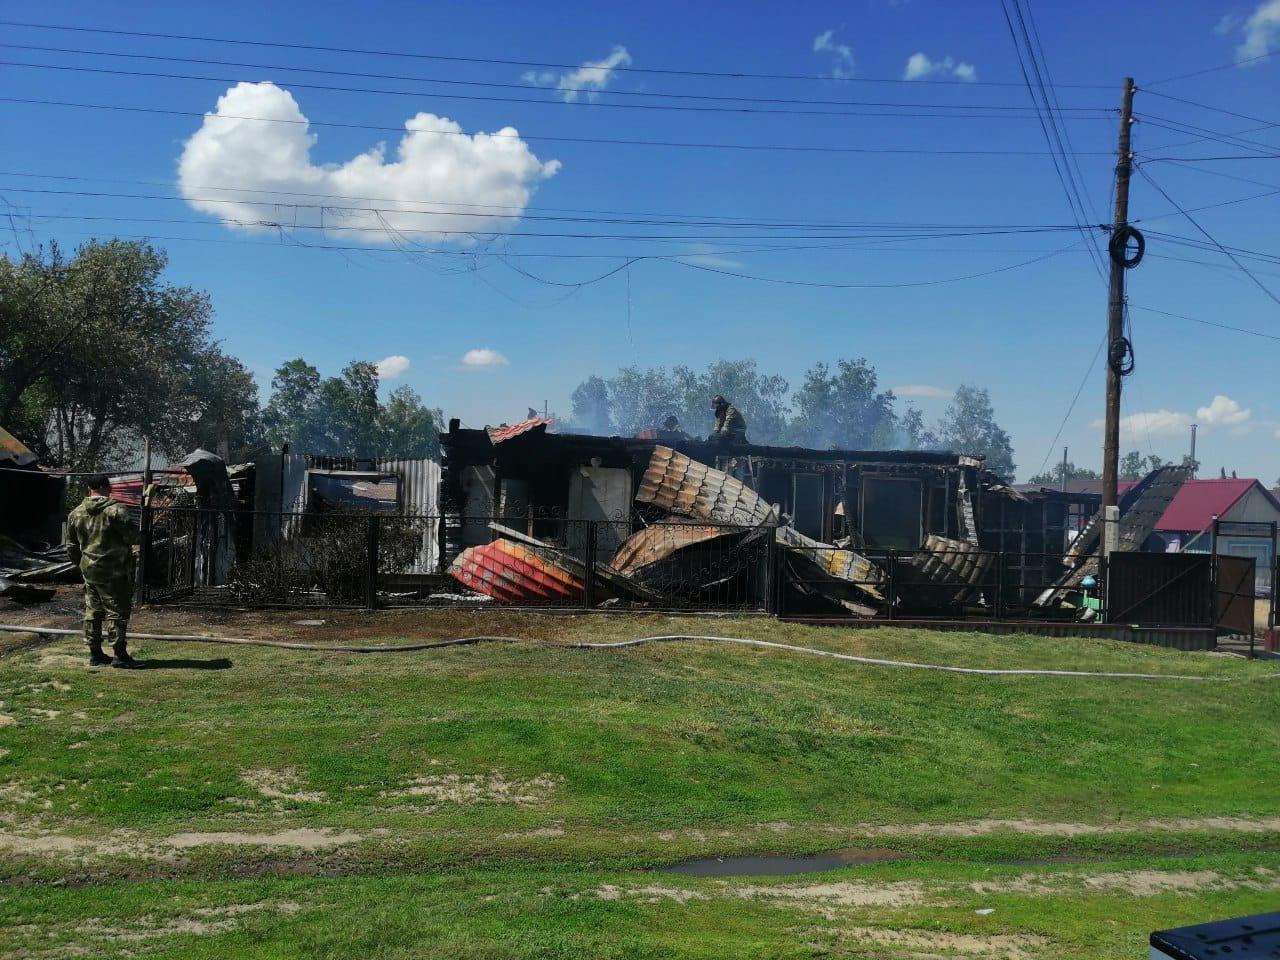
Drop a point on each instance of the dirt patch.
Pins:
(298, 839)
(903, 893)
(281, 785)
(978, 828)
(538, 833)
(934, 943)
(647, 894)
(1136, 883)
(468, 788)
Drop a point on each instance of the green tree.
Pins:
(1054, 477)
(842, 409)
(342, 415)
(1134, 466)
(969, 426)
(761, 397)
(591, 406)
(99, 352)
(640, 399)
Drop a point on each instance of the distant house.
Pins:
(1188, 523)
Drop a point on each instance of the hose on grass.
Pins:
(638, 642)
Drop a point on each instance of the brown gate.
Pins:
(1160, 589)
(1234, 594)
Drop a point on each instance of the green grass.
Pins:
(491, 792)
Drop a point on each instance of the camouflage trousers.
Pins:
(109, 600)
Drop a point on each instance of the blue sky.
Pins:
(1027, 333)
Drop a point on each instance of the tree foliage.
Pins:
(342, 415)
(1054, 477)
(1134, 466)
(98, 352)
(969, 426)
(840, 406)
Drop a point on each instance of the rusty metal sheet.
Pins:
(516, 573)
(683, 486)
(844, 567)
(943, 562)
(501, 434)
(620, 580)
(13, 450)
(659, 541)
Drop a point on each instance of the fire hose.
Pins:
(638, 642)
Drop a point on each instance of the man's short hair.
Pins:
(99, 481)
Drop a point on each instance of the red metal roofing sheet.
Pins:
(1199, 501)
(499, 434)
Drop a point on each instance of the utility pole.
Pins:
(1118, 349)
(1062, 480)
(1193, 451)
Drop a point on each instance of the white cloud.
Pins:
(1261, 32)
(483, 358)
(439, 175)
(922, 390)
(707, 256)
(920, 67)
(589, 79)
(389, 368)
(842, 63)
(1152, 423)
(1222, 411)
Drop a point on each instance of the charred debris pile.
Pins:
(533, 517)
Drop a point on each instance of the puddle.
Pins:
(781, 865)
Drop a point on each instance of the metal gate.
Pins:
(1160, 589)
(169, 544)
(1234, 594)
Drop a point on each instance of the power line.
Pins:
(1048, 125)
(1204, 133)
(1206, 106)
(1224, 66)
(766, 147)
(1074, 400)
(943, 230)
(1202, 245)
(383, 92)
(526, 87)
(678, 259)
(735, 75)
(1208, 236)
(1208, 323)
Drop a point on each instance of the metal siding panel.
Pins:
(419, 497)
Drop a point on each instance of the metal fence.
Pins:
(291, 559)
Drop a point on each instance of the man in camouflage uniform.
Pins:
(100, 540)
(731, 426)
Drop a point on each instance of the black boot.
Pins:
(96, 657)
(121, 657)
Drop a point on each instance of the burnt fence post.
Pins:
(893, 593)
(1000, 585)
(371, 563)
(144, 550)
(589, 563)
(772, 587)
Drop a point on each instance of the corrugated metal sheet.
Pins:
(676, 483)
(419, 495)
(660, 541)
(502, 434)
(13, 450)
(946, 562)
(1197, 502)
(838, 563)
(517, 573)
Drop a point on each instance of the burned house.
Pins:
(857, 516)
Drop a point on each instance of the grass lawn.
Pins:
(522, 800)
